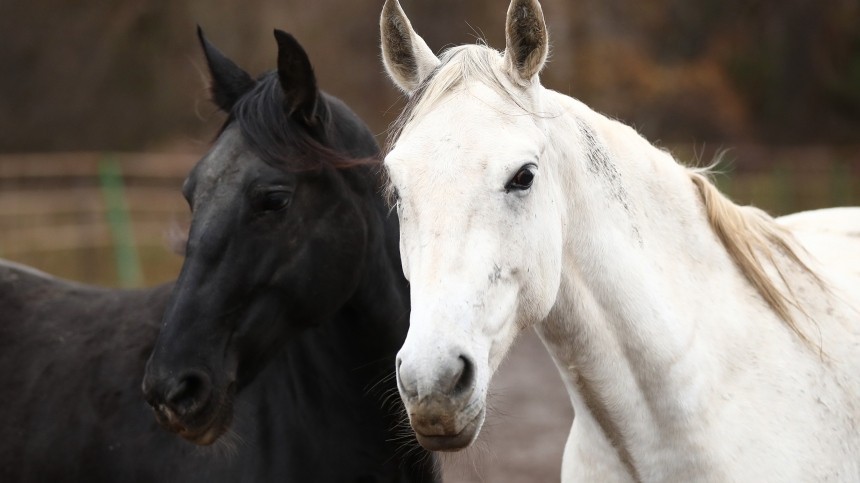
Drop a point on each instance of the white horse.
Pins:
(699, 340)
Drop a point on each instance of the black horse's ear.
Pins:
(228, 82)
(297, 78)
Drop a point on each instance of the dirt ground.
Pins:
(524, 435)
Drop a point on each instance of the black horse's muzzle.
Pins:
(189, 405)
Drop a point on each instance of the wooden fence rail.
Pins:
(56, 202)
(54, 214)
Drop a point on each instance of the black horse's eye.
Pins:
(274, 200)
(523, 179)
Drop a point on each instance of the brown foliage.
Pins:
(127, 74)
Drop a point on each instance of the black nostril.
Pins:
(189, 393)
(464, 379)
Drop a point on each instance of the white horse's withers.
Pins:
(698, 340)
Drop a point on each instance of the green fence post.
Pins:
(127, 262)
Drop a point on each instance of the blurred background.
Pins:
(103, 108)
(103, 111)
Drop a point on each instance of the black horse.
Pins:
(291, 295)
(71, 356)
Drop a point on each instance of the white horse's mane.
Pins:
(457, 66)
(751, 237)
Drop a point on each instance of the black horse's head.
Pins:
(277, 237)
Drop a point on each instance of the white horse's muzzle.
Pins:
(441, 400)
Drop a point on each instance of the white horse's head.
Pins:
(480, 229)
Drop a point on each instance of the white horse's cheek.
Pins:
(500, 344)
(535, 305)
(541, 278)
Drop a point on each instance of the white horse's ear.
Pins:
(406, 56)
(527, 40)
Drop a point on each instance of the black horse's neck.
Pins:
(381, 299)
(383, 292)
(353, 356)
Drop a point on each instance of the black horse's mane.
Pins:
(282, 140)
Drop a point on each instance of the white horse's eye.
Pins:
(523, 179)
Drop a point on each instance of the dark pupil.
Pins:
(275, 201)
(524, 178)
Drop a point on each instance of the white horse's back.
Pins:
(832, 237)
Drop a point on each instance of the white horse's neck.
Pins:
(653, 323)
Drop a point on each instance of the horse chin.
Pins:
(205, 436)
(452, 442)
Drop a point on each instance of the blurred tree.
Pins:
(127, 74)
